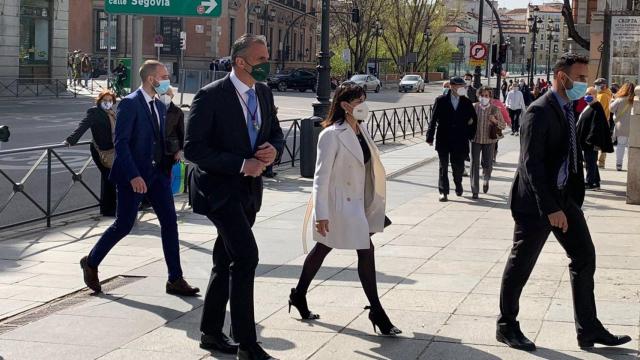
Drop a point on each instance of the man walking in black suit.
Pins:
(547, 196)
(232, 135)
(455, 120)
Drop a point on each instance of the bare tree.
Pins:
(359, 36)
(407, 22)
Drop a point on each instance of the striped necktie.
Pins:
(573, 148)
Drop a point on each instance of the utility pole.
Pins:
(321, 107)
(478, 71)
(136, 50)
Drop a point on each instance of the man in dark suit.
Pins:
(471, 91)
(455, 120)
(138, 171)
(232, 135)
(546, 196)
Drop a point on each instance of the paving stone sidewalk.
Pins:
(439, 268)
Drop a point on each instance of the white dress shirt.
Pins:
(148, 98)
(515, 100)
(243, 97)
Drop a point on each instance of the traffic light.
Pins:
(355, 15)
(183, 40)
(494, 53)
(503, 53)
(4, 133)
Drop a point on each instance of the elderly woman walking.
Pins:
(490, 126)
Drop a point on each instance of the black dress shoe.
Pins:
(180, 287)
(514, 338)
(604, 337)
(443, 198)
(220, 342)
(90, 275)
(459, 192)
(254, 352)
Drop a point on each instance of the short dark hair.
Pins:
(468, 74)
(567, 60)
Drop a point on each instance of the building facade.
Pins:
(33, 39)
(91, 30)
(550, 37)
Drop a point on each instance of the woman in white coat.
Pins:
(348, 200)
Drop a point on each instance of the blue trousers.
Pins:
(161, 199)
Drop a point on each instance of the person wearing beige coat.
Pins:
(348, 201)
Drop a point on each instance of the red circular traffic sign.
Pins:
(478, 51)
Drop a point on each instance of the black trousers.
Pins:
(456, 158)
(235, 258)
(107, 188)
(515, 119)
(591, 162)
(530, 235)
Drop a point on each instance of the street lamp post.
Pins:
(507, 43)
(321, 107)
(427, 37)
(534, 29)
(550, 38)
(461, 50)
(524, 46)
(477, 72)
(378, 31)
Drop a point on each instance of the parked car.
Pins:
(411, 83)
(368, 82)
(298, 79)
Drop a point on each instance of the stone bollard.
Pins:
(633, 173)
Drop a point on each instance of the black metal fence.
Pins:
(46, 87)
(386, 125)
(42, 171)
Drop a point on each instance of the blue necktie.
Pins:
(573, 149)
(252, 117)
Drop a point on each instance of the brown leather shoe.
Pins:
(90, 275)
(182, 288)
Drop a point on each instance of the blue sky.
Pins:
(513, 4)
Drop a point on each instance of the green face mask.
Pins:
(260, 72)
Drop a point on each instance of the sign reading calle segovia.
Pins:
(196, 8)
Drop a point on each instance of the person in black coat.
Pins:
(546, 196)
(593, 135)
(173, 131)
(232, 135)
(455, 121)
(101, 120)
(471, 90)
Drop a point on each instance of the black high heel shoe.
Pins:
(300, 303)
(380, 319)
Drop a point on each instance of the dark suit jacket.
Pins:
(454, 127)
(217, 142)
(544, 145)
(593, 129)
(138, 139)
(98, 121)
(174, 130)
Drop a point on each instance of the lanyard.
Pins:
(252, 115)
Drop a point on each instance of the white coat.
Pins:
(339, 183)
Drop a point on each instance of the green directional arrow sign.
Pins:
(196, 8)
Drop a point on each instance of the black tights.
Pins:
(366, 271)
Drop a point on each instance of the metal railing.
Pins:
(47, 87)
(47, 209)
(385, 125)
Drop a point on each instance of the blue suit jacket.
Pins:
(136, 138)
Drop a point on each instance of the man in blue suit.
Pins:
(137, 172)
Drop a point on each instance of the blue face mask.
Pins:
(577, 91)
(588, 99)
(162, 87)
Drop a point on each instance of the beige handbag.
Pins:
(106, 156)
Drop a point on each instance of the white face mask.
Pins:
(166, 99)
(598, 88)
(361, 112)
(484, 101)
(106, 105)
(461, 91)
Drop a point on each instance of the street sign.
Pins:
(158, 41)
(478, 51)
(195, 8)
(477, 54)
